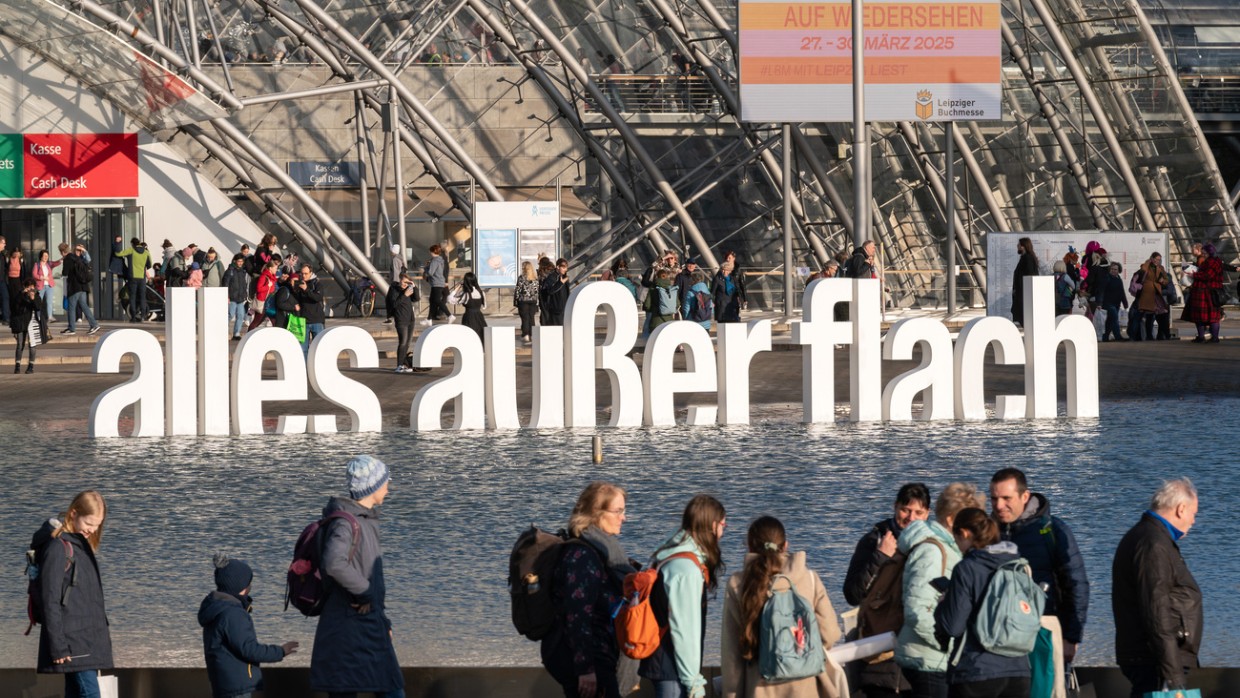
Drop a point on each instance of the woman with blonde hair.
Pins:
(768, 560)
(689, 565)
(73, 639)
(525, 296)
(918, 653)
(580, 652)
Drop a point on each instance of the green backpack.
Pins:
(1010, 615)
(789, 643)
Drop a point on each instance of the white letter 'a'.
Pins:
(145, 391)
(464, 387)
(932, 378)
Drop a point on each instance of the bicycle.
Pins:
(360, 295)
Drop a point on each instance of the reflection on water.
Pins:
(458, 502)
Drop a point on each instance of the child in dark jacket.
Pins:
(228, 640)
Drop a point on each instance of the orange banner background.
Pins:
(775, 15)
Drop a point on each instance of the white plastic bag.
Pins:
(109, 686)
(1100, 322)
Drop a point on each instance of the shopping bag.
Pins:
(1100, 322)
(1175, 693)
(297, 325)
(1042, 666)
(36, 332)
(109, 686)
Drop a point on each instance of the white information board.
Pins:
(498, 235)
(1129, 248)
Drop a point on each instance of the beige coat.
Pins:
(741, 678)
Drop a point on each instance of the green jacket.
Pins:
(916, 647)
(139, 262)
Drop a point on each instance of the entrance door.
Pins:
(97, 228)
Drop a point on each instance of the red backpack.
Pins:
(306, 587)
(34, 588)
(637, 630)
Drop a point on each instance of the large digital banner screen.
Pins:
(928, 61)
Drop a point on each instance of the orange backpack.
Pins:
(637, 630)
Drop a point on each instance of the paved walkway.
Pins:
(64, 386)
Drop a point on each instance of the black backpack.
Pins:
(702, 309)
(34, 588)
(81, 273)
(531, 571)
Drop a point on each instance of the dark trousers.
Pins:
(554, 319)
(527, 309)
(926, 684)
(404, 330)
(557, 659)
(439, 303)
(1144, 678)
(4, 302)
(992, 688)
(1112, 325)
(23, 343)
(138, 308)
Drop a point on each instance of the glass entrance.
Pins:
(97, 229)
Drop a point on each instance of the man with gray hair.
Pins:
(1155, 600)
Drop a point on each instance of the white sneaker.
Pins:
(427, 323)
(451, 318)
(400, 369)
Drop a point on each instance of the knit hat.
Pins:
(231, 576)
(366, 474)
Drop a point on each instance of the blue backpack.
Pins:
(1010, 615)
(667, 300)
(789, 644)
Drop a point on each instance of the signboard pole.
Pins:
(399, 171)
(861, 131)
(788, 300)
(951, 218)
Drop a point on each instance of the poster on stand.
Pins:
(506, 233)
(497, 257)
(1129, 248)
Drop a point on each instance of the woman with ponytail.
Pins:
(689, 564)
(976, 673)
(742, 616)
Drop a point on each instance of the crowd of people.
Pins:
(1094, 285)
(944, 566)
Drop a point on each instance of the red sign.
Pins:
(80, 166)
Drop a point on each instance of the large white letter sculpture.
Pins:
(181, 362)
(819, 332)
(464, 387)
(213, 384)
(932, 378)
(323, 370)
(662, 382)
(738, 344)
(1043, 335)
(970, 358)
(582, 357)
(501, 377)
(145, 391)
(250, 391)
(547, 410)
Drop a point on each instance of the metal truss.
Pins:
(1097, 132)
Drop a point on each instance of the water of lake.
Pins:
(459, 500)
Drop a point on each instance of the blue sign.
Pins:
(497, 258)
(324, 175)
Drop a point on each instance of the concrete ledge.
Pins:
(455, 682)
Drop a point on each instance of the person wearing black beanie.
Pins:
(229, 643)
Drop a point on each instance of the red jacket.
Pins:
(266, 284)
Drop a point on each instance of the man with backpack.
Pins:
(1044, 540)
(353, 650)
(876, 549)
(661, 303)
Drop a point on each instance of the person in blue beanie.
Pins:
(353, 650)
(231, 647)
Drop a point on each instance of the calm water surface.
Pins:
(458, 502)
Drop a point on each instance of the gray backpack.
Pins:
(1010, 615)
(789, 644)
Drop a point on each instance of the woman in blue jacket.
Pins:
(689, 566)
(977, 673)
